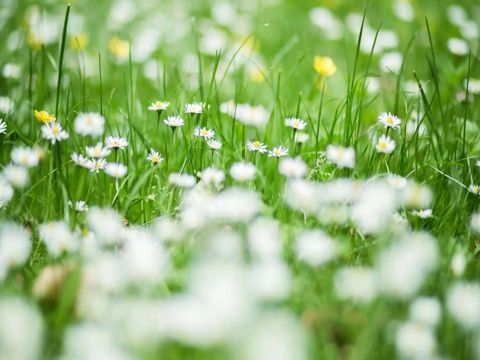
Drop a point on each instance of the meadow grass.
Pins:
(150, 279)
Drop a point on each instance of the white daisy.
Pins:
(474, 189)
(89, 124)
(115, 170)
(214, 144)
(116, 142)
(278, 151)
(204, 132)
(301, 137)
(242, 171)
(194, 108)
(25, 156)
(97, 151)
(182, 180)
(80, 206)
(341, 156)
(292, 167)
(252, 115)
(154, 157)
(79, 159)
(385, 145)
(53, 132)
(295, 123)
(256, 146)
(3, 127)
(174, 121)
(389, 120)
(95, 165)
(159, 106)
(423, 214)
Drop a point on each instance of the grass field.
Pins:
(256, 179)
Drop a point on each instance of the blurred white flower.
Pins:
(16, 175)
(89, 124)
(341, 156)
(391, 62)
(292, 167)
(414, 340)
(357, 284)
(315, 248)
(58, 238)
(242, 171)
(385, 145)
(116, 170)
(463, 304)
(426, 311)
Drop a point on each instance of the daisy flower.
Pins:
(204, 132)
(79, 159)
(115, 170)
(116, 142)
(97, 151)
(256, 146)
(474, 189)
(292, 168)
(295, 123)
(3, 127)
(278, 151)
(194, 108)
(89, 124)
(95, 165)
(214, 144)
(423, 214)
(389, 120)
(174, 121)
(243, 171)
(181, 180)
(54, 132)
(301, 137)
(43, 116)
(256, 116)
(80, 206)
(25, 156)
(154, 157)
(385, 145)
(341, 156)
(159, 106)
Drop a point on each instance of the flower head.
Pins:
(97, 151)
(79, 159)
(301, 137)
(243, 171)
(116, 142)
(194, 108)
(474, 189)
(204, 132)
(278, 151)
(25, 156)
(174, 121)
(95, 165)
(89, 124)
(292, 167)
(159, 106)
(389, 120)
(182, 180)
(115, 170)
(295, 123)
(43, 116)
(256, 146)
(3, 127)
(385, 145)
(154, 157)
(423, 214)
(214, 144)
(324, 65)
(341, 156)
(53, 131)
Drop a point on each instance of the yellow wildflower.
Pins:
(324, 65)
(43, 116)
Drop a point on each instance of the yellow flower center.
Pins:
(55, 130)
(390, 120)
(89, 120)
(257, 144)
(382, 145)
